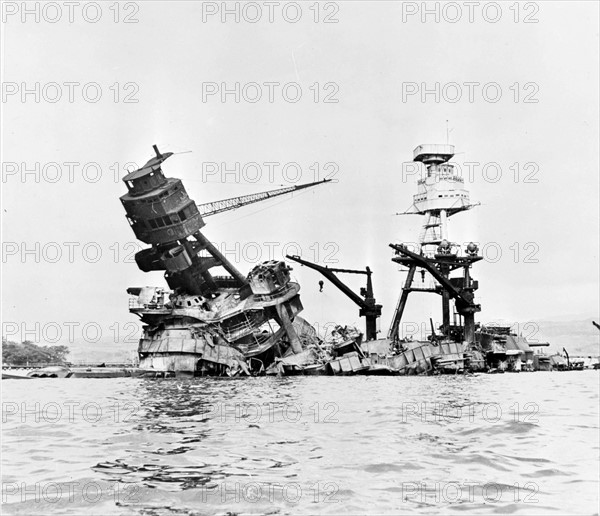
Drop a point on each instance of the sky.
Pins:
(309, 89)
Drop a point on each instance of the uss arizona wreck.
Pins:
(234, 324)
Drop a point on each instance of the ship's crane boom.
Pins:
(368, 308)
(212, 208)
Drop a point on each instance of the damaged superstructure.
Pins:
(205, 324)
(454, 347)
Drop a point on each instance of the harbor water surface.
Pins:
(524, 443)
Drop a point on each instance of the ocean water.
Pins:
(523, 443)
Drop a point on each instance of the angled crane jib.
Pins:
(329, 274)
(215, 207)
(368, 308)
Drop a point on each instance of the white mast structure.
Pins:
(440, 194)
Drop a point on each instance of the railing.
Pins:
(226, 281)
(240, 329)
(270, 297)
(433, 148)
(259, 340)
(134, 304)
(453, 177)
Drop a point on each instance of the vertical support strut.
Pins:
(445, 303)
(445, 311)
(394, 333)
(469, 326)
(443, 225)
(371, 327)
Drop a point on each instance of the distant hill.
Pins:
(578, 337)
(25, 353)
(83, 352)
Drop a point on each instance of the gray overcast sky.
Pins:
(374, 53)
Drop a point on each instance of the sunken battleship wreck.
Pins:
(235, 324)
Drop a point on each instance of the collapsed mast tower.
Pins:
(161, 213)
(440, 195)
(205, 323)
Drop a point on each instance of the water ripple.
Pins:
(482, 444)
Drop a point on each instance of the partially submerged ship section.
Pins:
(204, 324)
